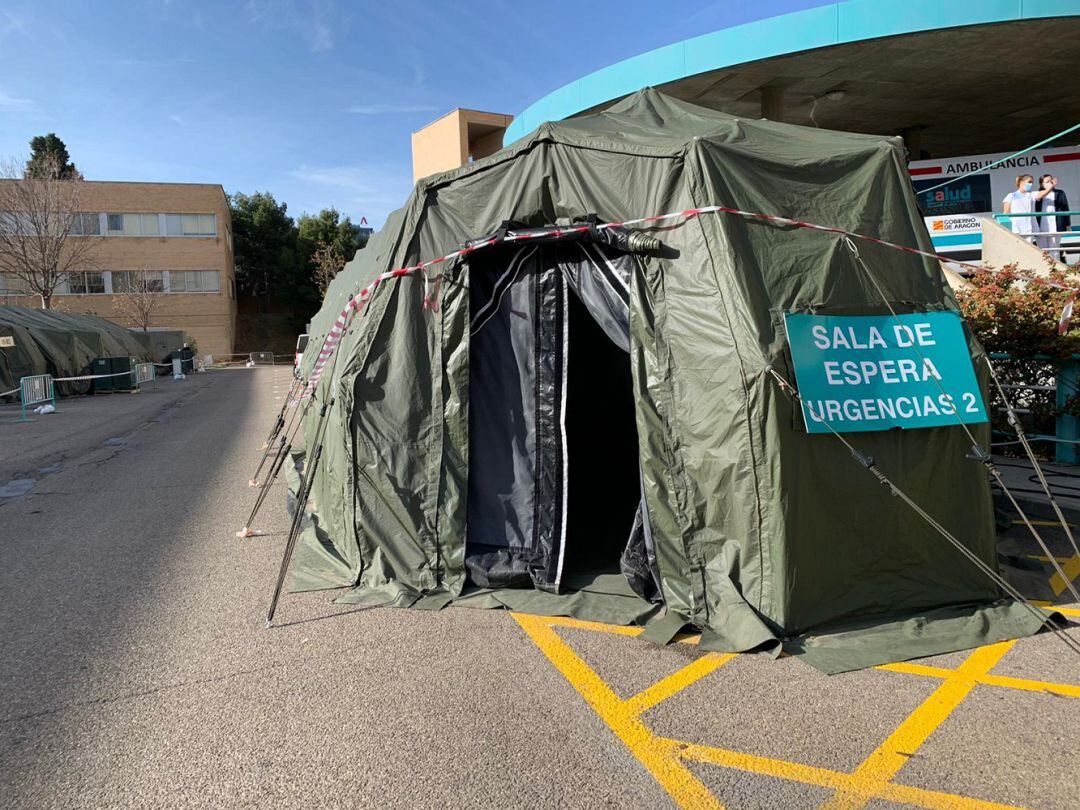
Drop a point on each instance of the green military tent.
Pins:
(63, 344)
(581, 423)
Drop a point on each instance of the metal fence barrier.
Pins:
(143, 373)
(34, 391)
(266, 358)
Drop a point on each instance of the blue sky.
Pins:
(312, 100)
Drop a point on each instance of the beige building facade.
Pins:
(453, 140)
(176, 235)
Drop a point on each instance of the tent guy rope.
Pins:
(979, 453)
(870, 466)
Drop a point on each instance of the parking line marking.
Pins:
(1007, 682)
(885, 762)
(910, 668)
(665, 758)
(675, 682)
(826, 778)
(766, 766)
(1003, 681)
(668, 770)
(936, 799)
(1049, 606)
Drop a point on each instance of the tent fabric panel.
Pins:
(504, 464)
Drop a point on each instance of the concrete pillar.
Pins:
(772, 102)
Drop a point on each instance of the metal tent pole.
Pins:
(298, 515)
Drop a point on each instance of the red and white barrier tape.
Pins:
(93, 376)
(357, 303)
(8, 393)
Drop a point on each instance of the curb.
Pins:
(1036, 507)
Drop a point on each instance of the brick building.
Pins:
(178, 234)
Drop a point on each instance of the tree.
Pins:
(327, 261)
(138, 295)
(49, 159)
(264, 246)
(44, 236)
(328, 228)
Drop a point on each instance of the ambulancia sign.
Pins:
(875, 372)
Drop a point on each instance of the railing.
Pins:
(1066, 384)
(1072, 236)
(35, 390)
(266, 358)
(143, 373)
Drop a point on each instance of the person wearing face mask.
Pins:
(1049, 224)
(1022, 201)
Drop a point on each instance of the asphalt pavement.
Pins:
(136, 670)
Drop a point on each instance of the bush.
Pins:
(1015, 312)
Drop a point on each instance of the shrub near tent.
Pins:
(576, 427)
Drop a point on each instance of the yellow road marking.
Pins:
(766, 766)
(823, 777)
(1064, 611)
(665, 758)
(1003, 681)
(1070, 565)
(676, 682)
(936, 800)
(614, 629)
(1063, 689)
(911, 668)
(596, 627)
(870, 778)
(1042, 523)
(674, 777)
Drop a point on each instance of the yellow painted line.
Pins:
(596, 627)
(1070, 565)
(666, 768)
(911, 668)
(823, 777)
(676, 682)
(766, 766)
(1064, 611)
(1063, 689)
(1072, 570)
(1042, 523)
(936, 800)
(663, 757)
(871, 777)
(614, 629)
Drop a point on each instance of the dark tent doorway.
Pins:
(554, 482)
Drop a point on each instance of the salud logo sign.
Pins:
(875, 372)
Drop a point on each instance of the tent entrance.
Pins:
(602, 454)
(554, 487)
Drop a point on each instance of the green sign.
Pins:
(875, 372)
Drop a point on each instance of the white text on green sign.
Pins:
(875, 372)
